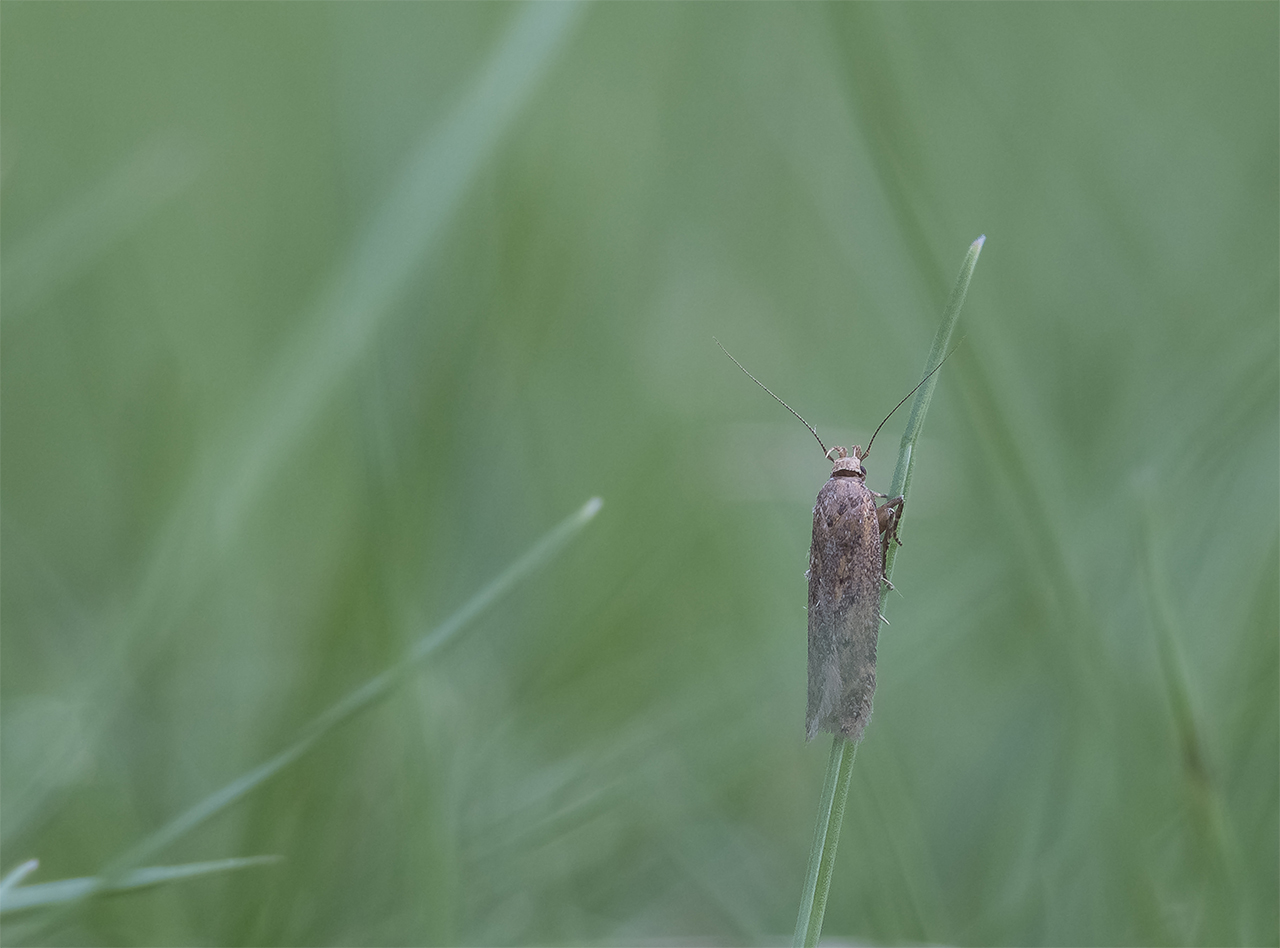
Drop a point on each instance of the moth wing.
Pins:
(844, 608)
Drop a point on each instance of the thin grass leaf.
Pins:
(75, 236)
(358, 700)
(352, 305)
(1208, 807)
(16, 876)
(835, 789)
(822, 857)
(389, 253)
(70, 890)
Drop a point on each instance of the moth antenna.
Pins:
(895, 407)
(780, 401)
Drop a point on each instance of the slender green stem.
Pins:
(835, 788)
(15, 877)
(1210, 810)
(16, 899)
(367, 695)
(373, 690)
(822, 858)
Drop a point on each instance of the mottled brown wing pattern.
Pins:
(844, 608)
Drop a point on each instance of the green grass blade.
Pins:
(941, 345)
(1208, 808)
(356, 701)
(353, 305)
(371, 691)
(817, 882)
(71, 890)
(72, 239)
(390, 251)
(16, 876)
(835, 789)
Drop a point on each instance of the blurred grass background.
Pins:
(316, 316)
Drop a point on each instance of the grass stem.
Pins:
(835, 788)
(117, 874)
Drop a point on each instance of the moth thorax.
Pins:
(848, 466)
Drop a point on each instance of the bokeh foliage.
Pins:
(316, 316)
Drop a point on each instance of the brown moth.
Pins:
(846, 566)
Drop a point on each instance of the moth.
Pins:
(847, 557)
(846, 567)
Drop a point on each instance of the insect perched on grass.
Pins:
(846, 565)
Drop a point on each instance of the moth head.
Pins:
(846, 463)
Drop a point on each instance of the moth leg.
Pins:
(887, 517)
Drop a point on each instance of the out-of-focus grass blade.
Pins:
(1208, 809)
(69, 890)
(351, 305)
(16, 876)
(72, 238)
(358, 700)
(391, 249)
(835, 789)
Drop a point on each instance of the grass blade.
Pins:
(941, 345)
(69, 890)
(387, 254)
(14, 878)
(71, 240)
(353, 305)
(822, 858)
(835, 789)
(348, 707)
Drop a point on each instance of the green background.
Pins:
(315, 317)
